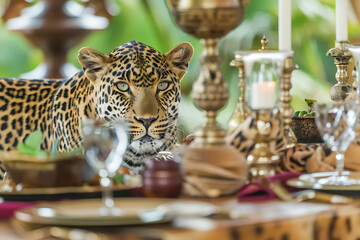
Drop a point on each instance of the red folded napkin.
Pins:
(7, 209)
(255, 191)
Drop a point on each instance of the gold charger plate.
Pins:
(309, 181)
(85, 212)
(56, 193)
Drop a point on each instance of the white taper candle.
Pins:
(284, 24)
(341, 20)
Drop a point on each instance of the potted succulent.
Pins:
(304, 126)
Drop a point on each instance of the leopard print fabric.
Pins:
(305, 158)
(134, 83)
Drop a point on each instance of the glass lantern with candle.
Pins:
(262, 87)
(263, 72)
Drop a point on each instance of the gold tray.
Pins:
(85, 212)
(56, 193)
(308, 181)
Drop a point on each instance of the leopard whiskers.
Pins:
(76, 143)
(163, 66)
(153, 147)
(181, 132)
(170, 138)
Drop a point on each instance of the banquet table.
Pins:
(272, 219)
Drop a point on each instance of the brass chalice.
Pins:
(209, 20)
(55, 26)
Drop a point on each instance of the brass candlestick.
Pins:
(285, 98)
(241, 112)
(210, 93)
(262, 161)
(341, 56)
(210, 20)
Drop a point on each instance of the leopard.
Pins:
(134, 83)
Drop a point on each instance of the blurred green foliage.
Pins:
(149, 21)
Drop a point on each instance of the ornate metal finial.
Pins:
(264, 42)
(341, 56)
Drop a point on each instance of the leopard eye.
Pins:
(163, 86)
(122, 86)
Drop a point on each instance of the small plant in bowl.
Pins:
(310, 112)
(303, 124)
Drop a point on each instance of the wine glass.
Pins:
(104, 146)
(336, 123)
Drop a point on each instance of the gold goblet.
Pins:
(210, 20)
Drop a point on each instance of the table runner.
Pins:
(7, 208)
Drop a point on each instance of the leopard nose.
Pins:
(146, 122)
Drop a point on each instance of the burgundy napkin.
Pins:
(7, 209)
(254, 191)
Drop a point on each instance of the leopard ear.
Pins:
(177, 59)
(93, 62)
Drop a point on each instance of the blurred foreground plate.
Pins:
(57, 193)
(134, 211)
(85, 212)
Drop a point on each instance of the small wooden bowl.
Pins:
(305, 130)
(162, 178)
(33, 172)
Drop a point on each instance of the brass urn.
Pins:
(209, 20)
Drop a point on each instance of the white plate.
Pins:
(86, 212)
(310, 181)
(134, 211)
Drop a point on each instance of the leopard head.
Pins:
(138, 84)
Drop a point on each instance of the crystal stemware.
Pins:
(336, 123)
(104, 146)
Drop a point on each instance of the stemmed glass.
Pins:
(104, 146)
(336, 123)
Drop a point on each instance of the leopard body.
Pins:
(134, 83)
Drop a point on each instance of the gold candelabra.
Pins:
(341, 56)
(209, 20)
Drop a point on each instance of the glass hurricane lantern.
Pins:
(263, 73)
